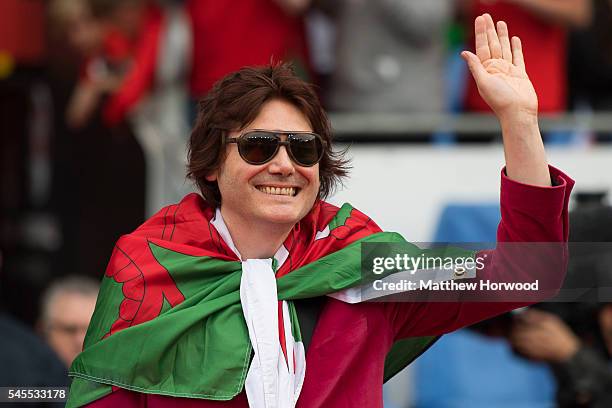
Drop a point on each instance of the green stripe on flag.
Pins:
(200, 348)
(340, 218)
(405, 351)
(295, 323)
(83, 392)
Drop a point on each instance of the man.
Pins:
(66, 309)
(200, 301)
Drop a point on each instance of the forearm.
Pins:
(529, 214)
(524, 150)
(572, 13)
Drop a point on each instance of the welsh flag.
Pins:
(169, 318)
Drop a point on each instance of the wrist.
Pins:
(527, 118)
(520, 129)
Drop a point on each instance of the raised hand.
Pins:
(499, 69)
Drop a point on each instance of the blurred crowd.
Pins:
(97, 98)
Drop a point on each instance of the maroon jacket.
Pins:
(347, 371)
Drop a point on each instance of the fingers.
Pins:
(493, 39)
(504, 39)
(475, 65)
(517, 53)
(494, 42)
(480, 34)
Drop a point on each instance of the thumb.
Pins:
(474, 64)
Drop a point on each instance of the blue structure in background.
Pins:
(468, 223)
(468, 370)
(455, 80)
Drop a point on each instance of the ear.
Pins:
(212, 176)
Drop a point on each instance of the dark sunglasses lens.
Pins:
(307, 149)
(257, 147)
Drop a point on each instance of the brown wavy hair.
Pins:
(234, 102)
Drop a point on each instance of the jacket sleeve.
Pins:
(528, 214)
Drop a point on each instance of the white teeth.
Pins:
(286, 191)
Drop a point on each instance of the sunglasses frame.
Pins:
(287, 143)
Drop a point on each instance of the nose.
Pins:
(281, 163)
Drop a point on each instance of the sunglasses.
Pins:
(260, 146)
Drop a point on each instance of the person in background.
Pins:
(543, 26)
(93, 163)
(101, 53)
(583, 373)
(221, 38)
(26, 360)
(135, 27)
(66, 309)
(576, 338)
(390, 55)
(152, 96)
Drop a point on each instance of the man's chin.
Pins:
(281, 216)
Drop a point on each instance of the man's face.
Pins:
(244, 194)
(68, 318)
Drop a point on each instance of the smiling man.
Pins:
(264, 190)
(230, 299)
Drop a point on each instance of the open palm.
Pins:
(499, 69)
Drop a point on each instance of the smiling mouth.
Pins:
(282, 191)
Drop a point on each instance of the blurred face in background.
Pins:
(83, 33)
(66, 321)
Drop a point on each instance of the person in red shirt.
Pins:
(542, 26)
(101, 57)
(261, 154)
(133, 39)
(223, 38)
(153, 40)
